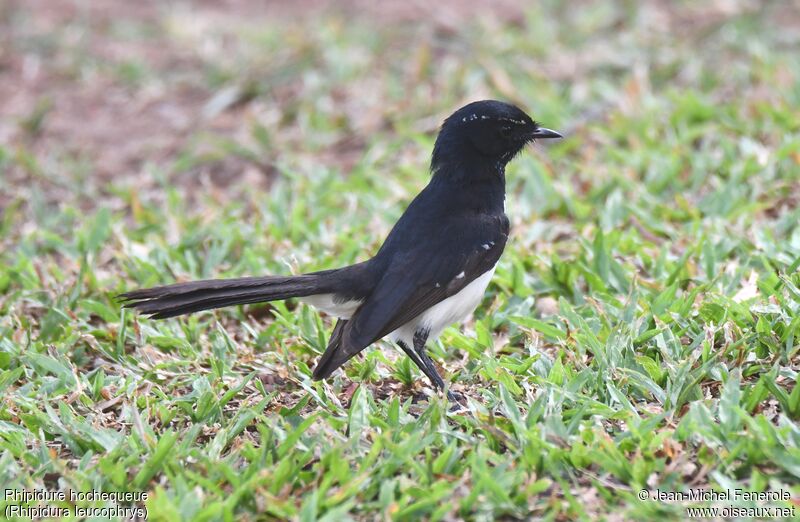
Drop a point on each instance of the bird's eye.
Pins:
(505, 132)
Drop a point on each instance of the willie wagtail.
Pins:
(431, 271)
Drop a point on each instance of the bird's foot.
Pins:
(457, 401)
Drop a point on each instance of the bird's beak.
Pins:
(541, 133)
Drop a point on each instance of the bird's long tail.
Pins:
(184, 298)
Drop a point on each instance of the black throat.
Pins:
(474, 184)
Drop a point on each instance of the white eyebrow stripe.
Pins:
(473, 117)
(461, 275)
(486, 246)
(512, 120)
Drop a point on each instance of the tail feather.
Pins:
(333, 356)
(162, 302)
(182, 298)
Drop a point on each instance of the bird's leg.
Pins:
(414, 358)
(423, 363)
(427, 366)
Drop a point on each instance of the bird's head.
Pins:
(485, 133)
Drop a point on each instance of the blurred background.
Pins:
(222, 92)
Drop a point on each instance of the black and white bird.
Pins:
(433, 267)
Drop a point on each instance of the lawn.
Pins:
(640, 337)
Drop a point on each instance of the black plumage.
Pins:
(430, 271)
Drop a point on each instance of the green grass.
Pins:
(641, 331)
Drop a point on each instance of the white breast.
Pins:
(454, 309)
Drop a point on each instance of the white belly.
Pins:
(454, 309)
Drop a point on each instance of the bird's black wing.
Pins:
(418, 276)
(422, 276)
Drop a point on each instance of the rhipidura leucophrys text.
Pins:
(431, 271)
